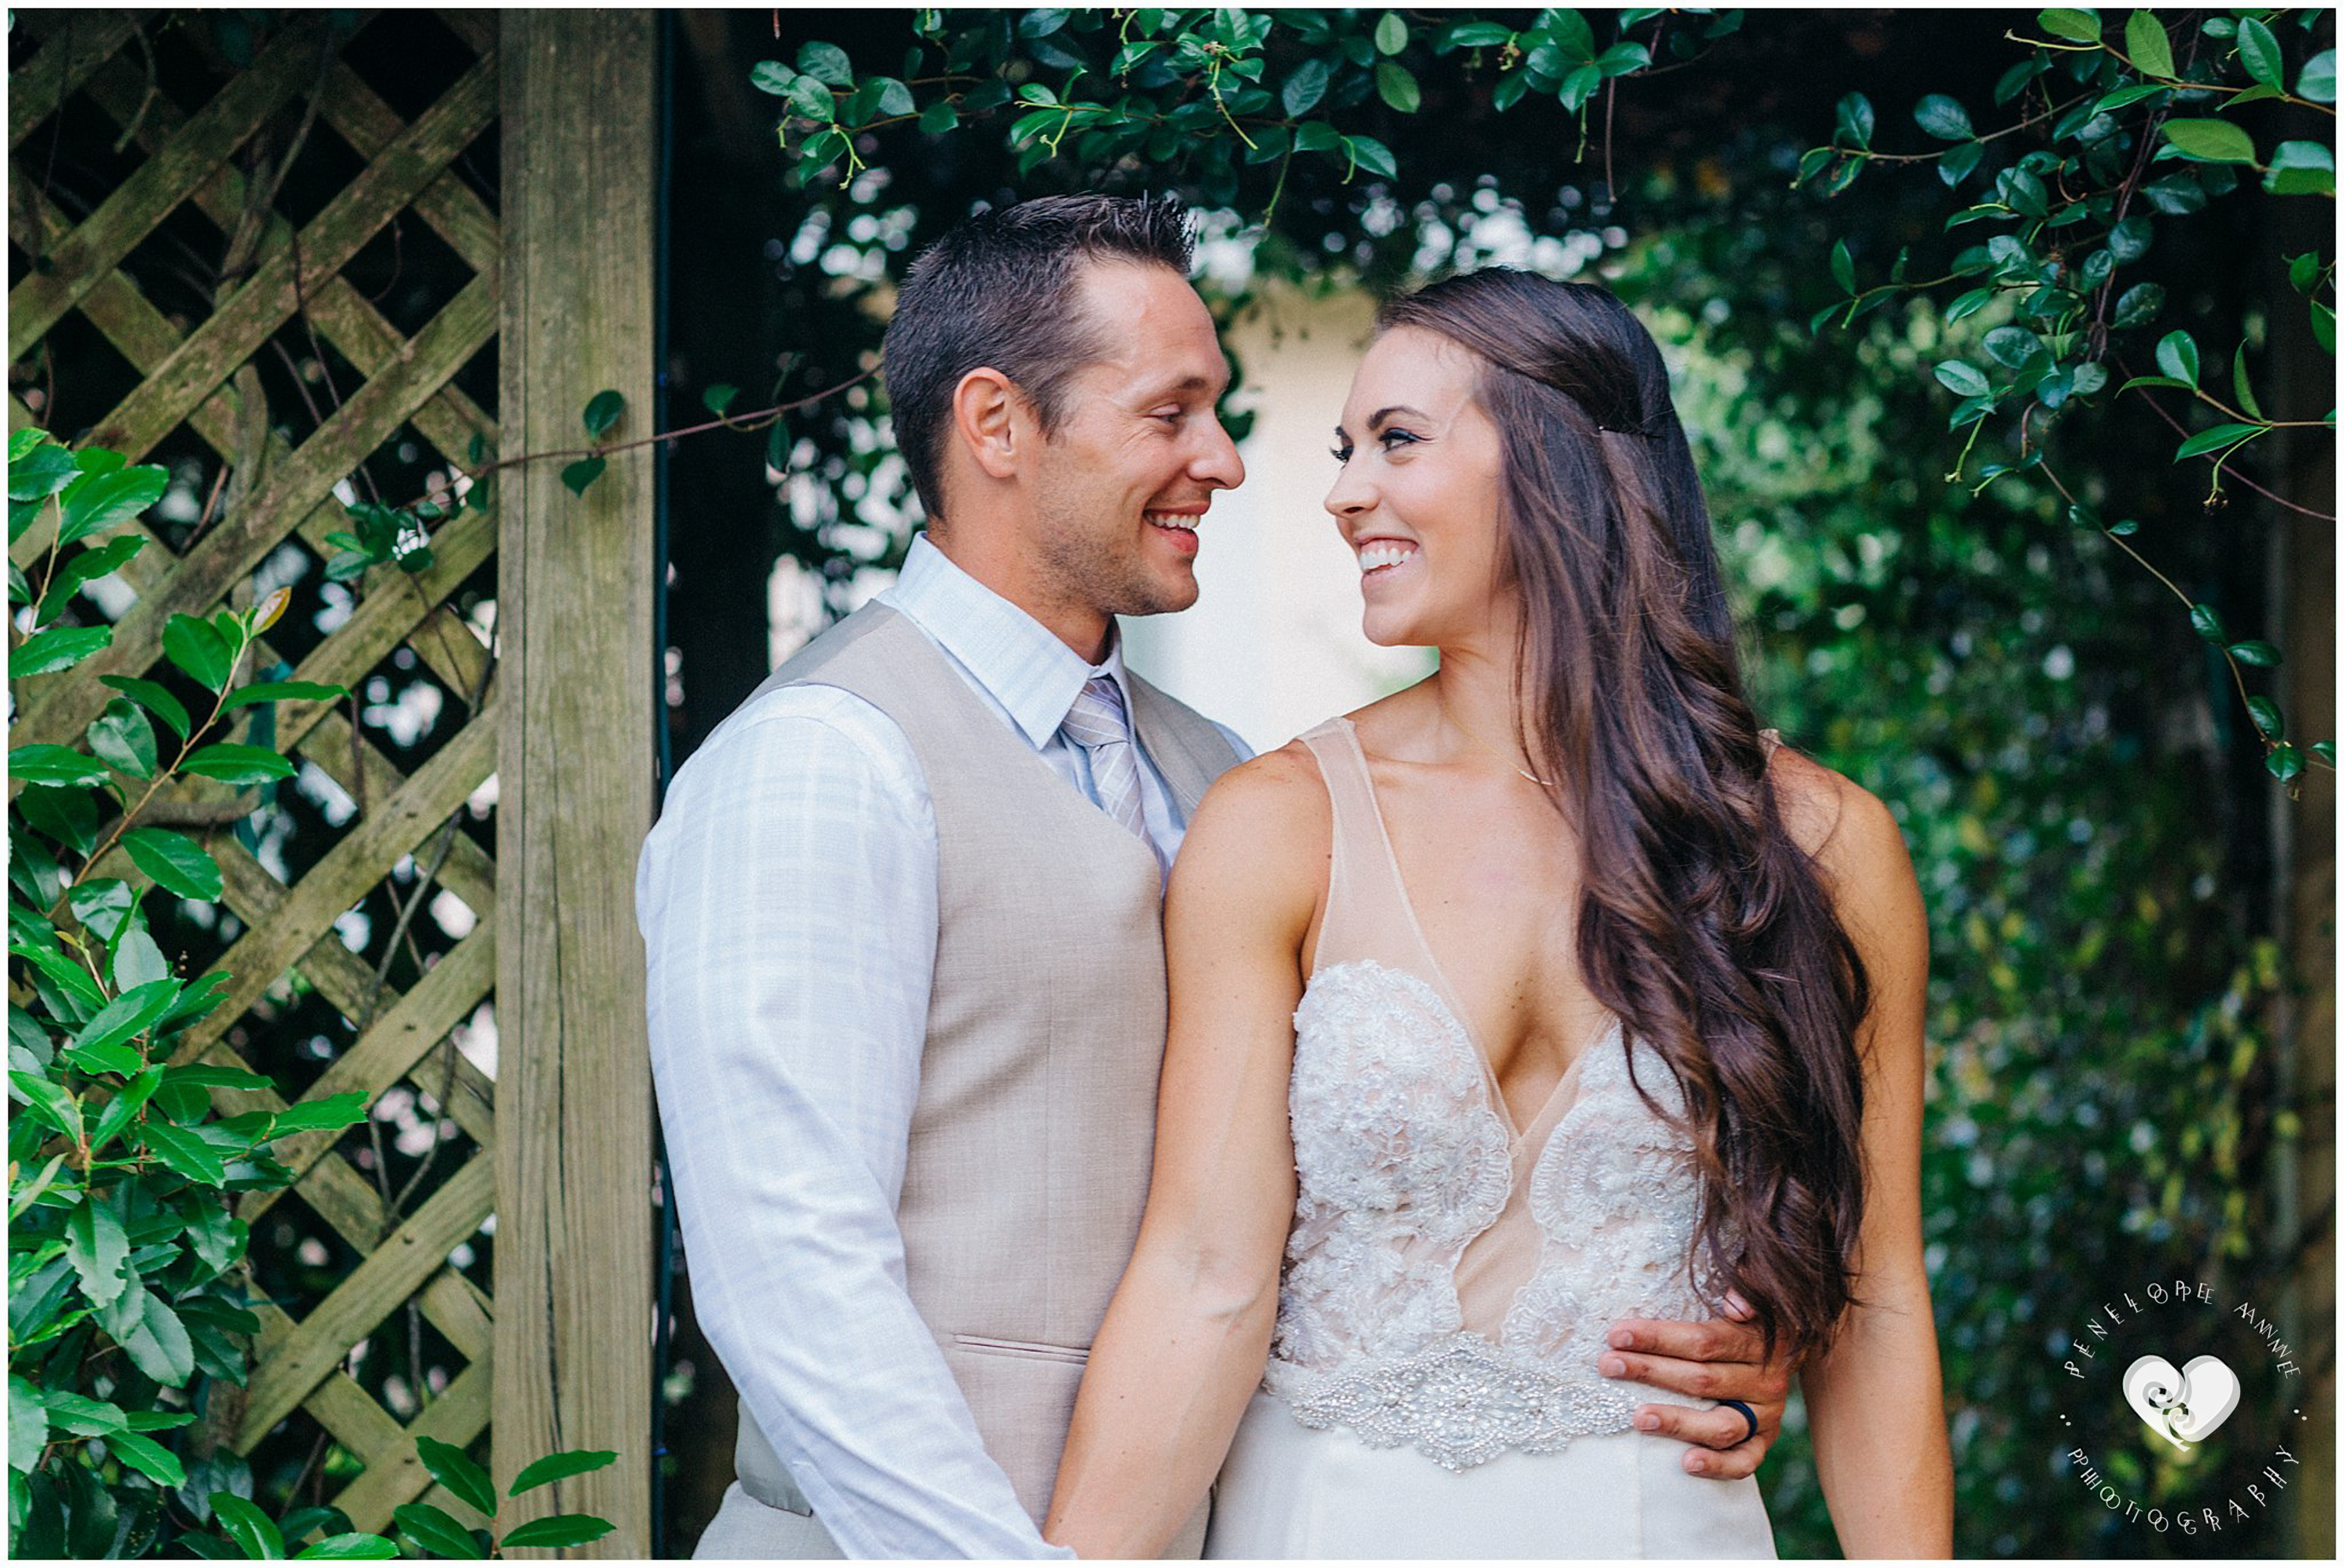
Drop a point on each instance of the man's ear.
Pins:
(991, 417)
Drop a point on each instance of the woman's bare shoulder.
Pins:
(1852, 836)
(1261, 837)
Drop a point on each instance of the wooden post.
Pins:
(574, 1242)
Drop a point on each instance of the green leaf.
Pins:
(2260, 654)
(2139, 304)
(246, 1526)
(123, 1107)
(283, 692)
(101, 904)
(938, 117)
(2323, 325)
(582, 473)
(54, 766)
(1855, 120)
(28, 1425)
(333, 1112)
(2265, 715)
(197, 647)
(1396, 88)
(1942, 117)
(558, 1467)
(98, 561)
(2325, 750)
(718, 396)
(2284, 762)
(147, 1457)
(826, 64)
(155, 699)
(1479, 35)
(811, 98)
(2223, 435)
(1843, 267)
(557, 1529)
(2258, 52)
(235, 764)
(437, 1532)
(137, 957)
(183, 1151)
(2317, 81)
(98, 502)
(41, 472)
(204, 1074)
(175, 863)
(2210, 141)
(2177, 356)
(602, 412)
(1317, 137)
(97, 1246)
(455, 1471)
(1968, 304)
(2146, 42)
(81, 1415)
(2013, 346)
(351, 1546)
(35, 1185)
(159, 1347)
(2128, 241)
(2125, 97)
(771, 77)
(1391, 33)
(1963, 378)
(895, 98)
(58, 648)
(2206, 623)
(2076, 26)
(1372, 156)
(127, 1016)
(2301, 169)
(123, 738)
(2241, 386)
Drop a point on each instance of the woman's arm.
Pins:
(1186, 1338)
(1877, 1402)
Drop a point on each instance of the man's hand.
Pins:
(1718, 1359)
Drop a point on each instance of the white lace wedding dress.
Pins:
(1432, 1390)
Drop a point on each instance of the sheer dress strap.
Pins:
(1367, 908)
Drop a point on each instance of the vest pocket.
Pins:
(1028, 1349)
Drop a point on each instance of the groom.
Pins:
(902, 915)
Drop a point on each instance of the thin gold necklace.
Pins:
(1443, 704)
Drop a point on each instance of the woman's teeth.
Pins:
(1381, 553)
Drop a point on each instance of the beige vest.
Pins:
(1028, 1158)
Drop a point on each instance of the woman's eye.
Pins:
(1340, 454)
(1390, 437)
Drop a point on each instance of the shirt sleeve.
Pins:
(788, 903)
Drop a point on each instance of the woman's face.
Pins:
(1418, 497)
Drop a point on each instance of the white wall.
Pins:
(1273, 645)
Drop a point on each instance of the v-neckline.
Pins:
(1438, 978)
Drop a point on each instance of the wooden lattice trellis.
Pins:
(200, 376)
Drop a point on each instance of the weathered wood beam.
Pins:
(574, 769)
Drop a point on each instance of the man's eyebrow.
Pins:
(1195, 384)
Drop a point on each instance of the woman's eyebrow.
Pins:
(1382, 417)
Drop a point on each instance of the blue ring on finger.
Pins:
(1747, 1414)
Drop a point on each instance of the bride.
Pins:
(1545, 993)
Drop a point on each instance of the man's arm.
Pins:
(788, 903)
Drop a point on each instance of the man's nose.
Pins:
(1218, 463)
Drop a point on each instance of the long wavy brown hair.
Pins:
(1702, 923)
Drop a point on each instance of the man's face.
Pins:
(1120, 488)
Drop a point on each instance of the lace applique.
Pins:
(1402, 1160)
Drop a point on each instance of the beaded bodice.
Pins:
(1449, 1278)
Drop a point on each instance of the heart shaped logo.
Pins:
(2185, 1406)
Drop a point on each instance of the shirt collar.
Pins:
(1022, 663)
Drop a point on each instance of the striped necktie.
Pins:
(1098, 724)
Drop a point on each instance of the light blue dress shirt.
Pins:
(787, 899)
